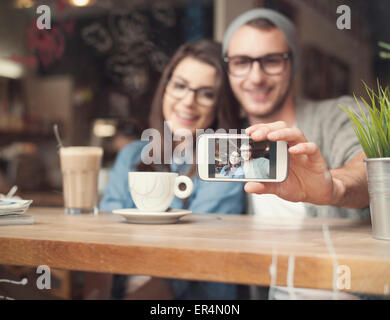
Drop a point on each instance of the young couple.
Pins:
(248, 167)
(200, 89)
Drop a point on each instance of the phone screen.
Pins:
(241, 159)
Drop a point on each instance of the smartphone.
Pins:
(236, 157)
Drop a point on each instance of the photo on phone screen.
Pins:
(241, 159)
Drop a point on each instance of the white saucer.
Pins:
(166, 217)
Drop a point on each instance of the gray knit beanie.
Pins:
(280, 21)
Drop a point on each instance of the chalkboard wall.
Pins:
(120, 50)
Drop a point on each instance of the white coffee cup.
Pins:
(154, 191)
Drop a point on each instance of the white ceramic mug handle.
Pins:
(189, 187)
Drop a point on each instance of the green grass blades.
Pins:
(372, 122)
(386, 46)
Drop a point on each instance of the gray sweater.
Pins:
(326, 124)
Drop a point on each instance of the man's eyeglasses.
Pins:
(204, 96)
(271, 64)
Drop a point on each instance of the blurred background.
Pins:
(94, 72)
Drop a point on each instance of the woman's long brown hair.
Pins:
(227, 107)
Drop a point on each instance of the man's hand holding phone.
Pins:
(309, 178)
(236, 157)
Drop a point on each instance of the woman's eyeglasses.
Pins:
(271, 64)
(203, 96)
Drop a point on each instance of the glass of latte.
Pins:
(80, 168)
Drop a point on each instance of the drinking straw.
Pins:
(57, 134)
(12, 192)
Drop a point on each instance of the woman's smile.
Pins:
(185, 117)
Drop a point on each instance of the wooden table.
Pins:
(225, 248)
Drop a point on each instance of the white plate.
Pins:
(137, 216)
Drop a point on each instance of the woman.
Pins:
(234, 169)
(193, 93)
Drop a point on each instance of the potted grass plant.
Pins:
(372, 127)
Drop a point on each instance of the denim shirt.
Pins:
(234, 172)
(207, 197)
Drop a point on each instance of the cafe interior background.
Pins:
(94, 72)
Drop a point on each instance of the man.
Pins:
(327, 176)
(253, 168)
